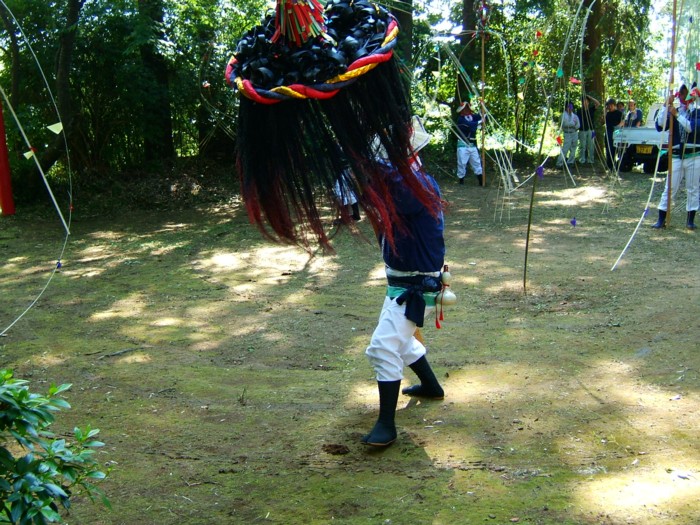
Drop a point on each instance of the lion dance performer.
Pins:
(321, 89)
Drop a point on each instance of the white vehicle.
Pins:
(641, 145)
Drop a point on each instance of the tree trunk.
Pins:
(592, 61)
(57, 148)
(14, 54)
(157, 114)
(470, 57)
(404, 16)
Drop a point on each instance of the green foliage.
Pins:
(517, 61)
(113, 90)
(37, 470)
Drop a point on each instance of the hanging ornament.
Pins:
(559, 140)
(574, 80)
(560, 73)
(573, 222)
(446, 296)
(535, 52)
(540, 172)
(483, 13)
(538, 34)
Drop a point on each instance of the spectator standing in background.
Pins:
(613, 120)
(569, 126)
(634, 115)
(586, 117)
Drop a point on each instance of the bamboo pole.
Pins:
(482, 109)
(669, 177)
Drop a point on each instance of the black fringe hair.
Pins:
(290, 154)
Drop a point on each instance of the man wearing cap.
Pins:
(467, 152)
(586, 117)
(569, 126)
(613, 120)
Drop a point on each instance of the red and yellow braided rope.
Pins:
(323, 91)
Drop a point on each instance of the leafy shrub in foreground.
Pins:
(43, 470)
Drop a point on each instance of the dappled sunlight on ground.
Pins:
(220, 367)
(583, 195)
(655, 492)
(49, 359)
(510, 286)
(135, 359)
(129, 307)
(267, 265)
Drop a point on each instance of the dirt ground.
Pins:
(228, 379)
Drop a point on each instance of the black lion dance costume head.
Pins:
(322, 92)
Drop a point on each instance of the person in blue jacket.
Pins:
(685, 163)
(467, 152)
(413, 264)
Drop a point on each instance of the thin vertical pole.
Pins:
(7, 203)
(482, 108)
(669, 178)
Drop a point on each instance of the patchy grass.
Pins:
(228, 378)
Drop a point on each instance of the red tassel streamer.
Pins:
(298, 21)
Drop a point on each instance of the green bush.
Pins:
(43, 471)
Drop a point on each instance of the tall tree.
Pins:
(403, 11)
(470, 57)
(157, 113)
(592, 56)
(64, 95)
(11, 31)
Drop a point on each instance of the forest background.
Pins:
(139, 84)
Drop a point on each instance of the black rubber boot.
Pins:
(661, 223)
(384, 432)
(690, 223)
(355, 212)
(480, 179)
(429, 387)
(461, 180)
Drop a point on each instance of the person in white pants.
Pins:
(570, 125)
(685, 164)
(413, 259)
(467, 152)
